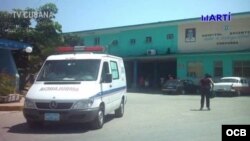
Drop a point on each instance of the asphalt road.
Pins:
(148, 117)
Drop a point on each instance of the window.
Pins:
(69, 70)
(132, 41)
(115, 42)
(170, 36)
(105, 69)
(218, 69)
(195, 69)
(97, 41)
(243, 81)
(241, 68)
(83, 42)
(148, 39)
(114, 70)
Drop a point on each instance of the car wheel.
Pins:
(120, 111)
(238, 93)
(98, 122)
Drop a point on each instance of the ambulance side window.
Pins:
(105, 69)
(114, 70)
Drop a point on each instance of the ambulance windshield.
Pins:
(69, 70)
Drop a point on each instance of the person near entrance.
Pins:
(206, 87)
(141, 82)
(170, 77)
(161, 81)
(146, 82)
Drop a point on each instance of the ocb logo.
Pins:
(236, 132)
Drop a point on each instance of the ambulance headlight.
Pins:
(29, 104)
(83, 104)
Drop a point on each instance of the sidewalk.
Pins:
(12, 106)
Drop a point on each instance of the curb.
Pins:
(15, 106)
(11, 108)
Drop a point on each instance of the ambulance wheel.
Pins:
(120, 111)
(98, 122)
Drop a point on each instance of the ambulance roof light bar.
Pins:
(75, 49)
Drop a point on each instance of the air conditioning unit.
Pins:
(151, 52)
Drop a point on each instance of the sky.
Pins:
(80, 15)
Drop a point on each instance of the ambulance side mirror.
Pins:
(107, 78)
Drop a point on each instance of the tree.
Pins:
(44, 37)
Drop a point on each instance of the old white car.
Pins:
(232, 86)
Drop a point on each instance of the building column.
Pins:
(155, 80)
(228, 63)
(135, 74)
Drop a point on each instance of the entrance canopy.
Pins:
(14, 45)
(7, 62)
(151, 58)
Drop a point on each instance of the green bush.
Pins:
(6, 84)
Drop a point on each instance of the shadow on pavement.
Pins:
(203, 110)
(145, 91)
(157, 91)
(55, 128)
(51, 128)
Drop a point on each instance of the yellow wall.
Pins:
(221, 33)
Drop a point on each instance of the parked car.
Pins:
(232, 86)
(180, 86)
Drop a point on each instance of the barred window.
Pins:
(97, 41)
(241, 68)
(132, 41)
(115, 42)
(170, 36)
(218, 69)
(148, 39)
(194, 69)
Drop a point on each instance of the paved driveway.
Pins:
(148, 117)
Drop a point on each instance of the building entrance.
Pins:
(152, 71)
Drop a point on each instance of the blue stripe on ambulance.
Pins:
(104, 93)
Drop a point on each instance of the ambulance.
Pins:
(77, 86)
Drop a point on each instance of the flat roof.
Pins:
(174, 56)
(147, 25)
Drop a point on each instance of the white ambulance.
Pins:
(77, 87)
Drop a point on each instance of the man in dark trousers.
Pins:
(206, 86)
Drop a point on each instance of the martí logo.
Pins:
(216, 17)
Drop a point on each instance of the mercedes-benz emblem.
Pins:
(53, 105)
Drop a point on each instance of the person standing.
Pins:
(170, 77)
(146, 81)
(141, 82)
(161, 81)
(206, 88)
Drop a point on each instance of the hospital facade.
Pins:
(186, 49)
